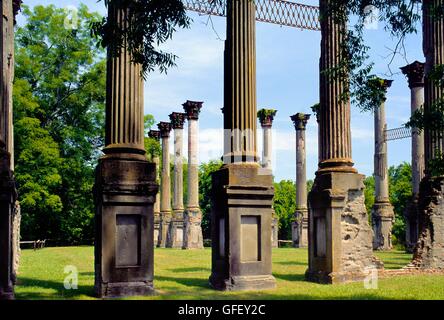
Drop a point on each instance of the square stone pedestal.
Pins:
(8, 196)
(193, 238)
(164, 226)
(125, 192)
(241, 228)
(340, 246)
(429, 250)
(175, 231)
(299, 229)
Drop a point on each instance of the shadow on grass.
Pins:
(289, 277)
(60, 291)
(292, 263)
(192, 269)
(189, 282)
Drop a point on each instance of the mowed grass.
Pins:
(181, 274)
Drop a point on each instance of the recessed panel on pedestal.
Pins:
(321, 241)
(250, 238)
(128, 240)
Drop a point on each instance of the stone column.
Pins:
(16, 6)
(125, 187)
(299, 229)
(8, 195)
(415, 76)
(340, 237)
(266, 117)
(176, 228)
(165, 185)
(242, 192)
(382, 212)
(155, 134)
(429, 250)
(193, 238)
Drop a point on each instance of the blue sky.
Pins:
(287, 80)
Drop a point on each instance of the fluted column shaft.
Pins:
(380, 163)
(7, 72)
(415, 76)
(193, 164)
(240, 82)
(156, 161)
(165, 203)
(433, 46)
(301, 176)
(124, 102)
(178, 170)
(417, 101)
(334, 110)
(177, 120)
(299, 230)
(266, 152)
(193, 238)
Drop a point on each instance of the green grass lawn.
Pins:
(181, 274)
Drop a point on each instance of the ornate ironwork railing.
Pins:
(284, 13)
(398, 133)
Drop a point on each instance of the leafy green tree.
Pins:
(205, 182)
(369, 183)
(400, 188)
(285, 205)
(59, 95)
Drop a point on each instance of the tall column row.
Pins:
(180, 227)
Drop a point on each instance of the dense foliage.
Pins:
(284, 205)
(59, 95)
(205, 171)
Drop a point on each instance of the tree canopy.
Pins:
(59, 96)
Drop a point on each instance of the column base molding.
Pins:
(176, 230)
(299, 229)
(382, 218)
(193, 238)
(164, 225)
